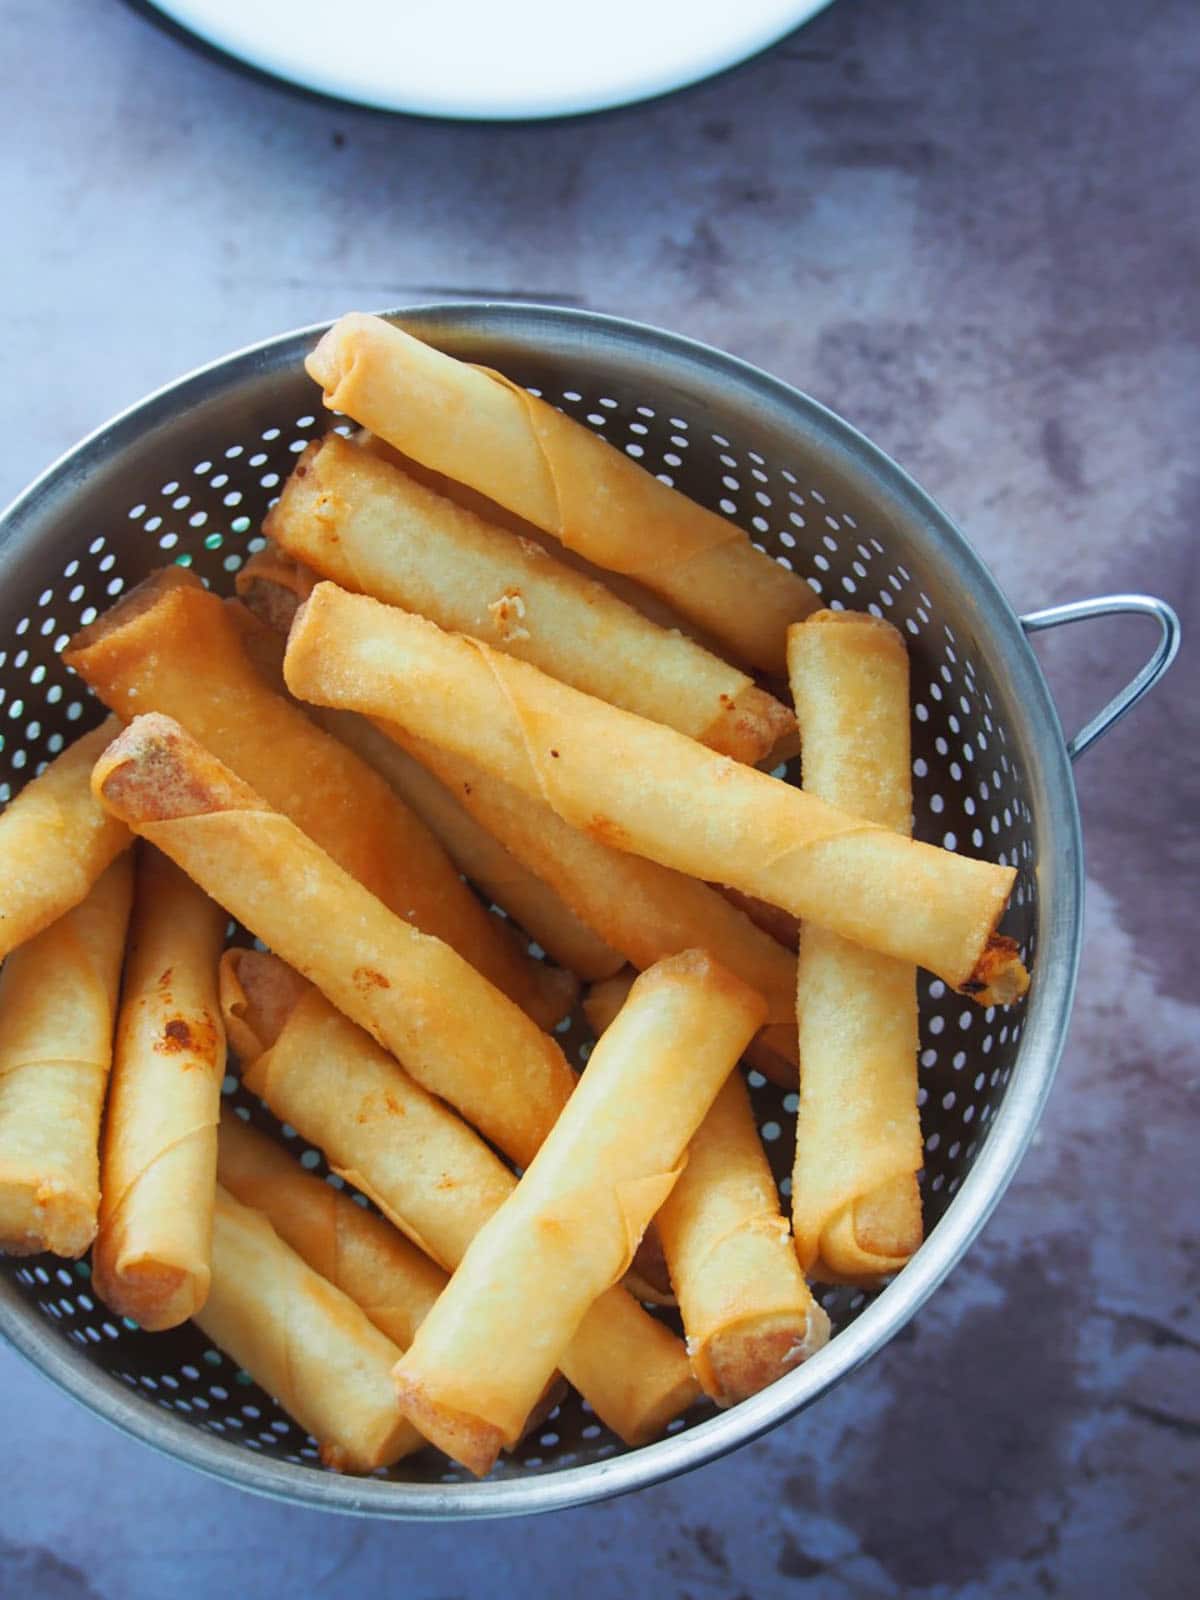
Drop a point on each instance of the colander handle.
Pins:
(1111, 605)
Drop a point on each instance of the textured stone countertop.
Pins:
(974, 230)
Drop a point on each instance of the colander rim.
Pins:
(549, 330)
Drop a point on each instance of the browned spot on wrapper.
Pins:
(508, 614)
(366, 979)
(197, 1035)
(608, 832)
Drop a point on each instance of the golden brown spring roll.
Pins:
(489, 433)
(457, 1034)
(159, 1157)
(651, 791)
(272, 587)
(58, 1001)
(606, 997)
(747, 1312)
(648, 1277)
(856, 1207)
(303, 1341)
(394, 1282)
(566, 939)
(568, 1231)
(365, 1257)
(171, 646)
(652, 606)
(55, 841)
(428, 1173)
(375, 530)
(638, 907)
(645, 910)
(530, 900)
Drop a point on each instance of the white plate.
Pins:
(491, 58)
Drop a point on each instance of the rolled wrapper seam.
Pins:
(272, 586)
(596, 1225)
(58, 999)
(526, 896)
(747, 1312)
(479, 427)
(858, 1131)
(748, 1315)
(644, 910)
(433, 1178)
(359, 1253)
(415, 995)
(856, 1205)
(362, 1182)
(139, 1280)
(171, 646)
(527, 1065)
(375, 530)
(158, 1165)
(304, 1342)
(643, 600)
(579, 885)
(563, 1237)
(55, 841)
(665, 797)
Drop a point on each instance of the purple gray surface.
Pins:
(974, 231)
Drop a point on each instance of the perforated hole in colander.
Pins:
(202, 506)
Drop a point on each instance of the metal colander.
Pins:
(188, 475)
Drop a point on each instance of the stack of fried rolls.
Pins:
(478, 428)
(171, 646)
(485, 685)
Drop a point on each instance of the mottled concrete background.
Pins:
(973, 229)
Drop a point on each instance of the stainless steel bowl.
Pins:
(187, 476)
